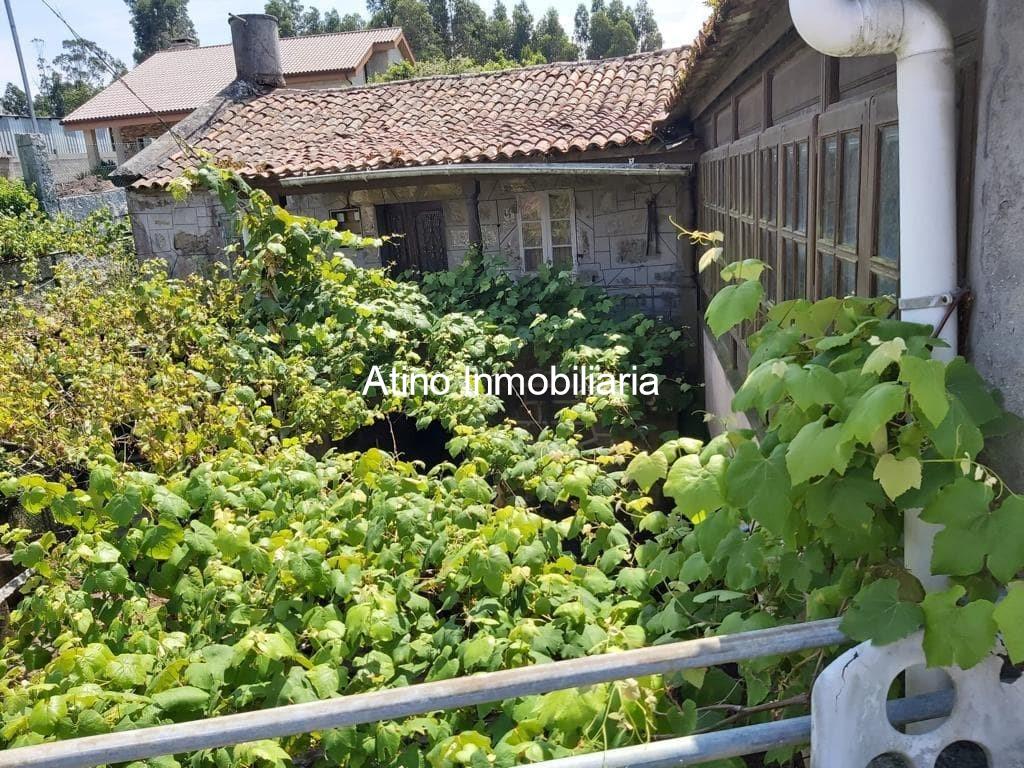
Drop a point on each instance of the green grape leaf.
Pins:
(955, 634)
(874, 409)
(647, 468)
(1005, 532)
(748, 269)
(897, 476)
(732, 305)
(884, 355)
(877, 613)
(1009, 616)
(693, 487)
(761, 485)
(813, 385)
(818, 450)
(963, 508)
(927, 382)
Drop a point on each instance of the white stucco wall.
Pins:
(718, 393)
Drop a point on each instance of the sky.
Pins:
(106, 22)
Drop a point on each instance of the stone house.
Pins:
(798, 153)
(170, 84)
(565, 163)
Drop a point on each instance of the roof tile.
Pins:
(182, 80)
(546, 109)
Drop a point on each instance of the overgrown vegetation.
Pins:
(207, 563)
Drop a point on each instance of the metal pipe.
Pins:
(655, 170)
(21, 65)
(391, 704)
(746, 740)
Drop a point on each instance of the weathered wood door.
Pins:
(422, 242)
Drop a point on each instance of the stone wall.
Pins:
(611, 230)
(188, 235)
(80, 206)
(613, 246)
(650, 271)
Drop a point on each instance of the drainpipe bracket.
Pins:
(930, 302)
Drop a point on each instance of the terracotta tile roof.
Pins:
(181, 80)
(543, 110)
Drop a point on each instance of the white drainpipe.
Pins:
(926, 97)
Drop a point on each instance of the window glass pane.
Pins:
(801, 271)
(768, 255)
(883, 285)
(789, 201)
(561, 257)
(560, 233)
(847, 278)
(769, 181)
(801, 187)
(887, 247)
(826, 276)
(851, 187)
(560, 205)
(827, 212)
(532, 258)
(532, 236)
(529, 208)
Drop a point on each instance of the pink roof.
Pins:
(180, 80)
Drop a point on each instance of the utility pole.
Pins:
(21, 63)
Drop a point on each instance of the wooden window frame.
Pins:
(544, 197)
(837, 124)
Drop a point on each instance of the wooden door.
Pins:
(420, 241)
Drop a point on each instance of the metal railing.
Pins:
(391, 704)
(488, 687)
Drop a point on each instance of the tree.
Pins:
(550, 39)
(499, 33)
(600, 35)
(581, 27)
(76, 74)
(647, 32)
(623, 41)
(616, 29)
(156, 23)
(522, 29)
(295, 20)
(14, 101)
(440, 11)
(350, 22)
(469, 30)
(418, 25)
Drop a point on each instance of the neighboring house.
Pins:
(796, 153)
(171, 83)
(67, 155)
(565, 163)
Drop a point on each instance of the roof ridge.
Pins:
(345, 32)
(293, 37)
(578, 63)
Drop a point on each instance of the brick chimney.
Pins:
(182, 44)
(257, 49)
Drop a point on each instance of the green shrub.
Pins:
(15, 198)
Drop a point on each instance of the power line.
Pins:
(104, 57)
